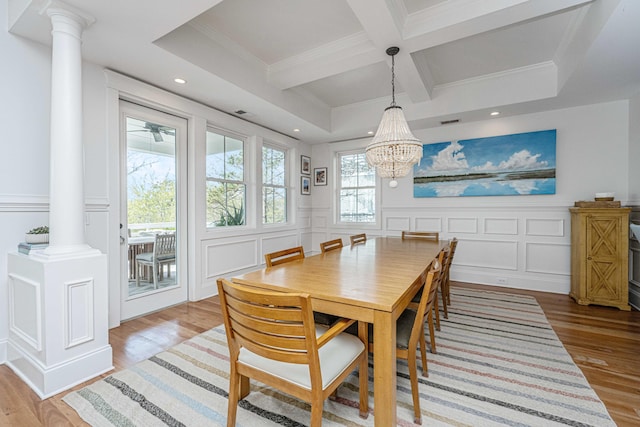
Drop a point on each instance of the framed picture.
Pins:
(506, 165)
(305, 165)
(305, 185)
(320, 176)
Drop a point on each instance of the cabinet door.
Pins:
(603, 257)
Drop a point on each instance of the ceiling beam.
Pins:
(382, 22)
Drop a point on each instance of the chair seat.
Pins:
(403, 329)
(334, 356)
(145, 257)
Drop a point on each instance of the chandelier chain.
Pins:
(393, 80)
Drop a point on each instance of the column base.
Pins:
(47, 381)
(58, 319)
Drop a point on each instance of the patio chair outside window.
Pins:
(164, 253)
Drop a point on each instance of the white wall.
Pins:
(24, 163)
(514, 241)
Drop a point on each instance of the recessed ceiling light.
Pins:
(370, 132)
(179, 80)
(495, 113)
(296, 130)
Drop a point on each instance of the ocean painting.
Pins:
(507, 165)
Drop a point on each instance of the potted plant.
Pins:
(37, 235)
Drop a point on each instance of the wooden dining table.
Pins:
(371, 282)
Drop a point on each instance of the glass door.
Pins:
(152, 198)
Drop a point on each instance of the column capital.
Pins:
(58, 8)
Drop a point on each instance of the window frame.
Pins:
(286, 184)
(338, 187)
(245, 180)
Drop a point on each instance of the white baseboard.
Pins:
(3, 351)
(47, 381)
(556, 285)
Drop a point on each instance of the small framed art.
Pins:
(320, 176)
(305, 165)
(305, 185)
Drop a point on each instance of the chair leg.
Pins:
(436, 310)
(423, 354)
(413, 377)
(155, 276)
(432, 335)
(316, 413)
(234, 394)
(363, 371)
(444, 301)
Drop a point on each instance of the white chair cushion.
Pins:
(334, 357)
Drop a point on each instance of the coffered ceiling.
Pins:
(320, 65)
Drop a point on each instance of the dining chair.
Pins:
(358, 238)
(292, 254)
(443, 256)
(429, 235)
(330, 245)
(410, 334)
(446, 295)
(163, 253)
(285, 255)
(273, 339)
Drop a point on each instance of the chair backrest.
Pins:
(275, 325)
(358, 238)
(285, 255)
(164, 246)
(427, 235)
(447, 265)
(429, 294)
(330, 245)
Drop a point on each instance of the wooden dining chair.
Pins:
(330, 245)
(428, 235)
(285, 255)
(358, 238)
(446, 295)
(410, 334)
(273, 339)
(292, 254)
(443, 256)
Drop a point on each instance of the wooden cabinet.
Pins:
(600, 256)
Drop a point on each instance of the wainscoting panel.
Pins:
(551, 258)
(223, 258)
(462, 225)
(428, 224)
(507, 226)
(544, 227)
(306, 240)
(25, 310)
(79, 312)
(319, 221)
(277, 243)
(498, 254)
(394, 223)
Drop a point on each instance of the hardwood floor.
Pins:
(604, 343)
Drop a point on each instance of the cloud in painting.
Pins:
(522, 160)
(450, 159)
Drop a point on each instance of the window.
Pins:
(274, 190)
(225, 180)
(357, 189)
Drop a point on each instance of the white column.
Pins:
(58, 314)
(66, 191)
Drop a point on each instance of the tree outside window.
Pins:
(274, 190)
(357, 189)
(226, 187)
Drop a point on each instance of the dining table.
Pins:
(372, 282)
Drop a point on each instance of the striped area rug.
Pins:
(498, 363)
